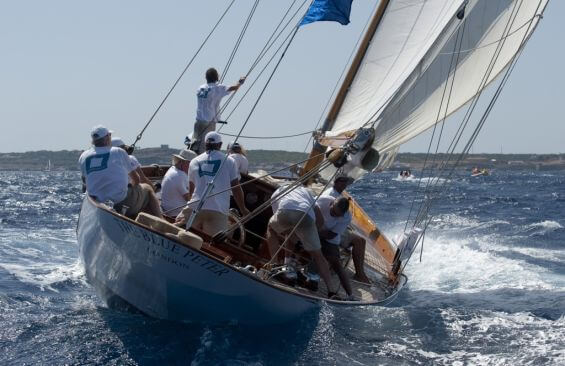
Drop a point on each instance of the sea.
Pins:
(486, 288)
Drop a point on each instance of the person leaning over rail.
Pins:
(336, 219)
(118, 142)
(174, 187)
(297, 209)
(349, 239)
(208, 98)
(105, 170)
(212, 165)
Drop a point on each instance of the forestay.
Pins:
(401, 80)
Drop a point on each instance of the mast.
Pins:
(315, 155)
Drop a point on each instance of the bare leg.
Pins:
(273, 241)
(323, 268)
(358, 254)
(336, 265)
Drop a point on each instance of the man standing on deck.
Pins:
(105, 170)
(209, 96)
(349, 239)
(212, 165)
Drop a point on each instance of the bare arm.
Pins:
(143, 178)
(238, 197)
(236, 86)
(134, 177)
(190, 189)
(319, 217)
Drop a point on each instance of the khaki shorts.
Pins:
(283, 221)
(137, 199)
(211, 222)
(201, 128)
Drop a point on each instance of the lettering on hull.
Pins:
(170, 252)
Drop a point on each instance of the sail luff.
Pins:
(315, 155)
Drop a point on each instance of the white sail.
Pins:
(401, 80)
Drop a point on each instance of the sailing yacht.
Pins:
(417, 64)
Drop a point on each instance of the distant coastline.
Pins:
(266, 159)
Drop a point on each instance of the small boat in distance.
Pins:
(476, 172)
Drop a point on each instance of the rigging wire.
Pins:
(239, 40)
(486, 76)
(509, 70)
(453, 67)
(340, 78)
(268, 137)
(140, 135)
(268, 45)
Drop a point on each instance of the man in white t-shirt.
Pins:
(237, 153)
(209, 96)
(336, 219)
(349, 239)
(212, 165)
(174, 187)
(296, 208)
(105, 170)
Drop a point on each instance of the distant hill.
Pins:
(274, 159)
(68, 159)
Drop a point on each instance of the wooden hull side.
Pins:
(167, 280)
(376, 239)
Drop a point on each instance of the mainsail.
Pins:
(399, 85)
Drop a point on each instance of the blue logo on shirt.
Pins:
(203, 92)
(208, 167)
(97, 162)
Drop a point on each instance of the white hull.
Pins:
(168, 280)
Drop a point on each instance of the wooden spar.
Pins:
(316, 154)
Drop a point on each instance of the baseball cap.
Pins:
(213, 137)
(117, 142)
(99, 131)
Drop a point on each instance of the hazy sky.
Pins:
(68, 65)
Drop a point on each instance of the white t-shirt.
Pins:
(299, 199)
(173, 188)
(331, 192)
(134, 162)
(209, 97)
(106, 171)
(334, 224)
(241, 163)
(202, 170)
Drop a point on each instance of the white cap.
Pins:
(99, 132)
(213, 137)
(185, 155)
(117, 142)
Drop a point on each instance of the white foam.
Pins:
(547, 224)
(45, 275)
(469, 265)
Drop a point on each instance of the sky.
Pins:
(68, 65)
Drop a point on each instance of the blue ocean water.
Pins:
(490, 288)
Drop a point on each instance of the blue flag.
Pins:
(329, 10)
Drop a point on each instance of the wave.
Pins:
(46, 276)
